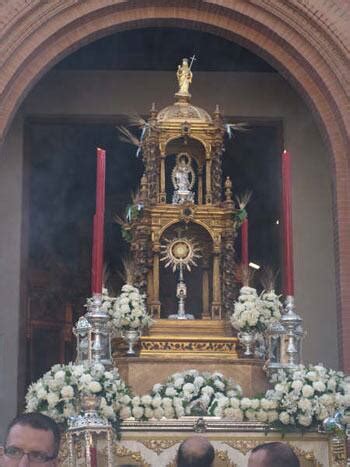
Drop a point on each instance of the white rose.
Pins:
(272, 416)
(125, 413)
(136, 400)
(305, 420)
(189, 387)
(319, 386)
(138, 412)
(166, 401)
(41, 393)
(254, 404)
(207, 390)
(284, 418)
(149, 413)
(305, 404)
(60, 375)
(262, 416)
(52, 399)
(169, 412)
(234, 403)
(85, 379)
(312, 375)
(95, 386)
(67, 392)
(250, 414)
(156, 402)
(307, 390)
(171, 392)
(77, 370)
(245, 403)
(158, 412)
(198, 381)
(146, 400)
(125, 400)
(219, 384)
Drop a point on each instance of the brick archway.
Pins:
(307, 42)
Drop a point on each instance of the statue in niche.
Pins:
(183, 179)
(184, 77)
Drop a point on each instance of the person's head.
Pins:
(32, 439)
(195, 452)
(273, 455)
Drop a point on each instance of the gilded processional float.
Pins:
(181, 307)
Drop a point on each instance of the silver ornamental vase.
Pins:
(247, 339)
(131, 337)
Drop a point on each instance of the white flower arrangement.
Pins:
(247, 313)
(56, 394)
(270, 308)
(194, 393)
(129, 310)
(308, 395)
(254, 313)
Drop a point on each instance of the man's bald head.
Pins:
(195, 452)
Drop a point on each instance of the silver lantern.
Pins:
(285, 339)
(88, 429)
(93, 335)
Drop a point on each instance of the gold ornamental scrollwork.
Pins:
(171, 346)
(160, 445)
(122, 451)
(243, 445)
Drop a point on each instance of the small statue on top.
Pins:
(184, 77)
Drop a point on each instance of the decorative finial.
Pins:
(184, 77)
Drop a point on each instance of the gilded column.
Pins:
(216, 305)
(200, 186)
(205, 291)
(156, 302)
(162, 194)
(208, 197)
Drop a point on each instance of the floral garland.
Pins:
(56, 394)
(254, 313)
(129, 310)
(299, 399)
(309, 394)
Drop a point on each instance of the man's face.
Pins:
(29, 440)
(258, 459)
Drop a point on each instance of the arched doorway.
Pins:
(269, 29)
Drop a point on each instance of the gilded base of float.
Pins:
(155, 443)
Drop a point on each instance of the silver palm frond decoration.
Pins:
(127, 137)
(243, 199)
(231, 128)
